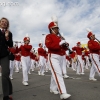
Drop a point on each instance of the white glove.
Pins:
(62, 42)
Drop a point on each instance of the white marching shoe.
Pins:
(46, 71)
(92, 79)
(64, 96)
(39, 73)
(25, 83)
(82, 73)
(55, 92)
(11, 77)
(74, 69)
(29, 72)
(78, 73)
(42, 74)
(16, 71)
(32, 70)
(66, 76)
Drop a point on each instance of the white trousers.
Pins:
(37, 64)
(42, 64)
(32, 64)
(64, 65)
(73, 64)
(57, 81)
(95, 65)
(46, 64)
(12, 63)
(17, 64)
(80, 67)
(67, 63)
(25, 67)
(87, 62)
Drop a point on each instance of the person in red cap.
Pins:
(25, 59)
(86, 54)
(73, 59)
(55, 45)
(36, 60)
(46, 59)
(41, 54)
(94, 48)
(80, 67)
(33, 57)
(68, 61)
(14, 50)
(17, 61)
(64, 64)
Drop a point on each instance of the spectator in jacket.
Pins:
(5, 42)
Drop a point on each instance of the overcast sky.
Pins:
(33, 17)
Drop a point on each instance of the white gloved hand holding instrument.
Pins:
(62, 42)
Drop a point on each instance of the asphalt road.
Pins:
(79, 86)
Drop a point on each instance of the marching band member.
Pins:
(33, 57)
(17, 61)
(25, 59)
(73, 58)
(94, 48)
(46, 60)
(54, 44)
(64, 64)
(79, 49)
(86, 53)
(36, 60)
(68, 61)
(83, 58)
(41, 53)
(14, 50)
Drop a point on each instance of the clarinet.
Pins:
(66, 45)
(97, 40)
